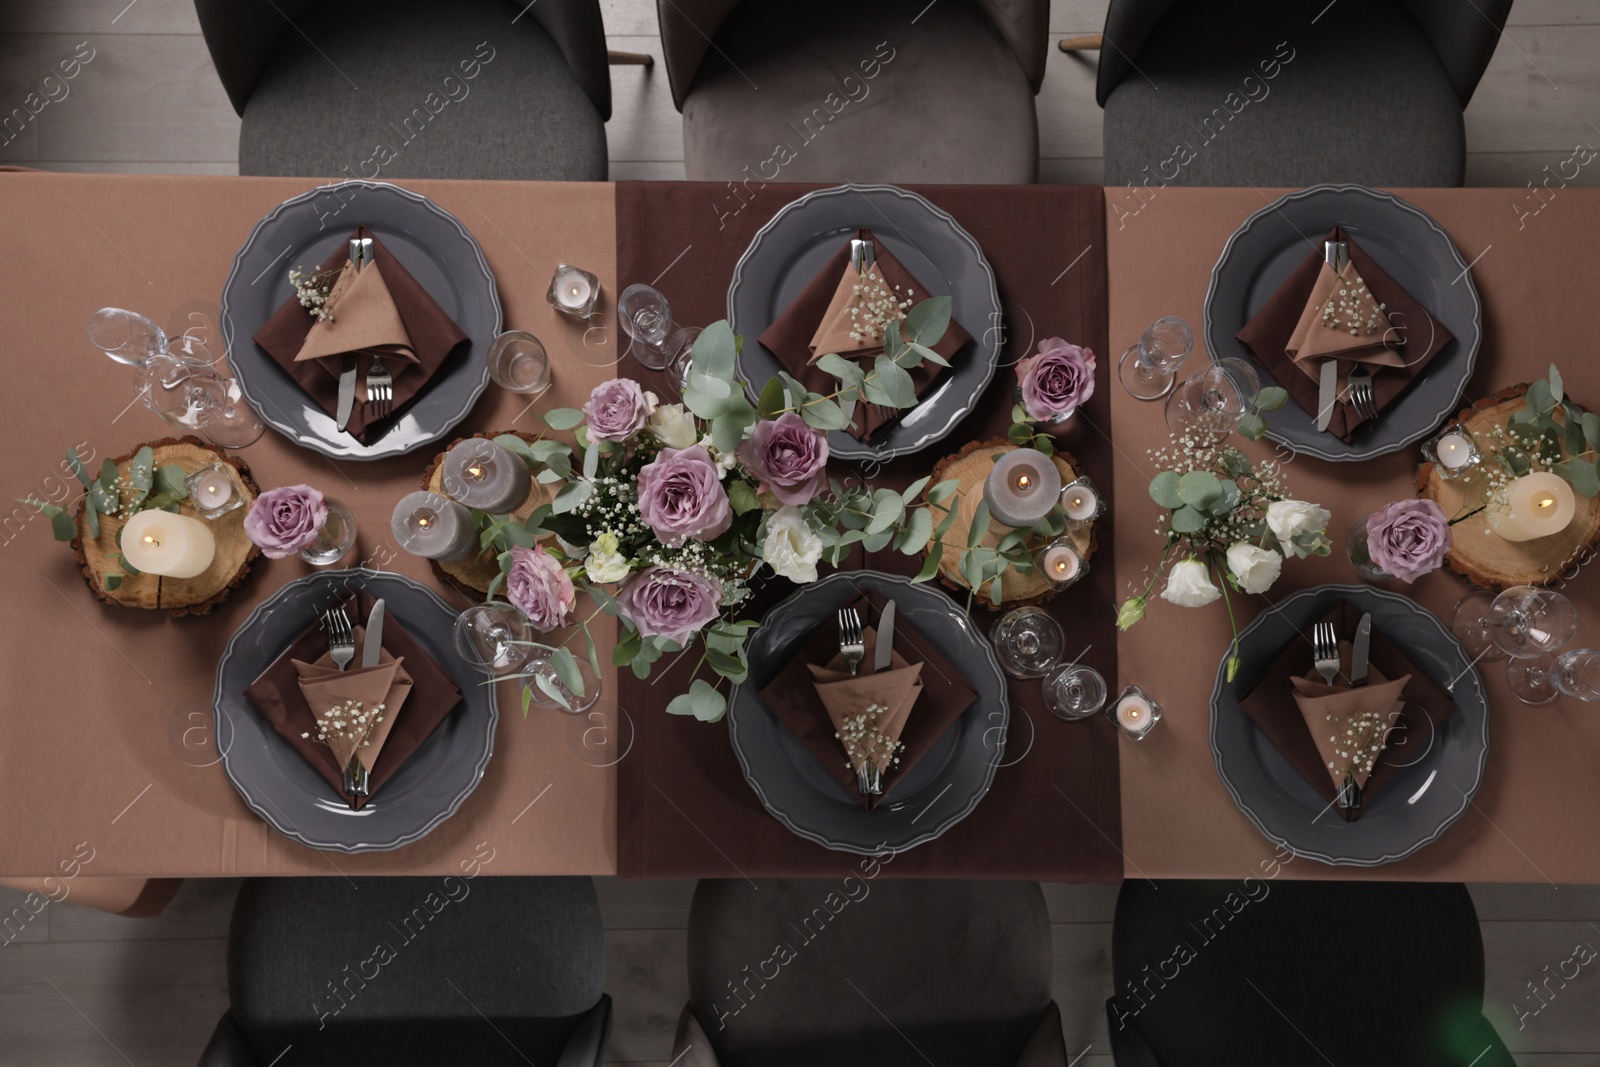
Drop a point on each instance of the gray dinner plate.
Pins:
(787, 253)
(935, 794)
(282, 788)
(302, 232)
(1437, 775)
(1404, 241)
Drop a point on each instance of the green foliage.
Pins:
(701, 701)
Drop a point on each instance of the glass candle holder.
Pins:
(1082, 501)
(213, 492)
(1134, 713)
(334, 540)
(1453, 453)
(1356, 549)
(1061, 563)
(573, 291)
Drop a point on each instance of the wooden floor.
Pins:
(81, 988)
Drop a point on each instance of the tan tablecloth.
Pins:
(105, 736)
(1537, 816)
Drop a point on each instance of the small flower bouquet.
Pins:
(1230, 522)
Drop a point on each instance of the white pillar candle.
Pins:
(1080, 500)
(1454, 451)
(433, 527)
(1534, 505)
(486, 476)
(174, 546)
(1022, 487)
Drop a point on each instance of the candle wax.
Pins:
(1454, 451)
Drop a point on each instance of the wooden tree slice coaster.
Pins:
(97, 556)
(471, 576)
(1478, 555)
(971, 466)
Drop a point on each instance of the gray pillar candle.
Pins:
(486, 476)
(1022, 488)
(433, 527)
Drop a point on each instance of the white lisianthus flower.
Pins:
(1255, 568)
(1288, 519)
(605, 564)
(651, 401)
(725, 461)
(673, 426)
(789, 547)
(1189, 585)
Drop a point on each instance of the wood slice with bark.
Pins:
(971, 466)
(471, 577)
(1483, 558)
(98, 556)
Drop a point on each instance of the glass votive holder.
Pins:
(1028, 642)
(1453, 453)
(1082, 501)
(1061, 563)
(213, 491)
(1074, 692)
(335, 537)
(1134, 713)
(518, 363)
(573, 291)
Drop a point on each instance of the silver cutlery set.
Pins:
(342, 649)
(380, 383)
(1325, 660)
(853, 649)
(1359, 384)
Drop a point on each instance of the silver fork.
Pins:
(1325, 651)
(341, 637)
(852, 645)
(380, 389)
(1361, 395)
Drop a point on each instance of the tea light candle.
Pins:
(1535, 505)
(212, 492)
(433, 527)
(1455, 451)
(1134, 712)
(1060, 563)
(573, 291)
(173, 546)
(1080, 500)
(486, 476)
(1022, 488)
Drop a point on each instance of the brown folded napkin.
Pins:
(793, 696)
(1269, 333)
(847, 697)
(1268, 703)
(790, 335)
(276, 695)
(325, 686)
(365, 322)
(843, 328)
(1320, 336)
(1330, 710)
(432, 335)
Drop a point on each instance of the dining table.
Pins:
(109, 745)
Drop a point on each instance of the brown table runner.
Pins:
(684, 809)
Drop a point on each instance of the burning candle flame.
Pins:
(1024, 482)
(1547, 502)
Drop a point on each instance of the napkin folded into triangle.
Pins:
(1322, 332)
(325, 686)
(845, 697)
(1330, 710)
(848, 327)
(365, 322)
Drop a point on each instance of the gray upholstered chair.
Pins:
(415, 88)
(871, 971)
(1291, 92)
(1260, 973)
(839, 90)
(392, 972)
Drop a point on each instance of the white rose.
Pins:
(789, 547)
(725, 461)
(1288, 519)
(1256, 568)
(1189, 585)
(606, 567)
(673, 426)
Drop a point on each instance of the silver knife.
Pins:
(1327, 392)
(883, 656)
(372, 644)
(1358, 652)
(347, 391)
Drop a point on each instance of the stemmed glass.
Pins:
(1527, 622)
(1073, 692)
(539, 671)
(1148, 369)
(493, 637)
(1575, 673)
(1214, 401)
(1028, 642)
(1469, 621)
(659, 343)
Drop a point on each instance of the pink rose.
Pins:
(1056, 380)
(669, 603)
(616, 410)
(1408, 538)
(788, 456)
(539, 588)
(681, 496)
(284, 521)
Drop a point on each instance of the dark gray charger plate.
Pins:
(283, 789)
(1397, 822)
(787, 253)
(437, 250)
(1408, 244)
(943, 787)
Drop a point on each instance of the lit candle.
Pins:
(573, 291)
(1022, 487)
(1454, 451)
(174, 546)
(1534, 505)
(1060, 563)
(433, 527)
(211, 491)
(1135, 713)
(1081, 502)
(486, 476)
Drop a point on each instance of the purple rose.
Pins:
(788, 456)
(539, 588)
(1408, 538)
(284, 521)
(665, 602)
(1055, 380)
(616, 410)
(681, 496)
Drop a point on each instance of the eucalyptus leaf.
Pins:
(1252, 427)
(996, 590)
(877, 542)
(914, 536)
(553, 691)
(890, 384)
(75, 465)
(122, 561)
(927, 322)
(702, 701)
(930, 566)
(1540, 399)
(571, 495)
(940, 492)
(928, 354)
(730, 667)
(1271, 398)
(92, 520)
(1584, 478)
(887, 509)
(1187, 520)
(742, 497)
(1573, 430)
(1234, 462)
(113, 581)
(1555, 384)
(591, 461)
(1164, 490)
(169, 480)
(848, 371)
(823, 414)
(108, 474)
(772, 400)
(1591, 429)
(562, 418)
(1199, 489)
(565, 665)
(1020, 434)
(715, 351)
(980, 524)
(909, 493)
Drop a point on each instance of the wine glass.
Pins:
(1469, 621)
(1527, 622)
(1028, 642)
(494, 637)
(1148, 369)
(658, 342)
(1577, 674)
(1212, 402)
(1074, 692)
(126, 336)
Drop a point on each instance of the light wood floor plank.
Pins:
(24, 917)
(647, 975)
(201, 910)
(1081, 981)
(1501, 902)
(99, 16)
(1539, 92)
(644, 125)
(1563, 1016)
